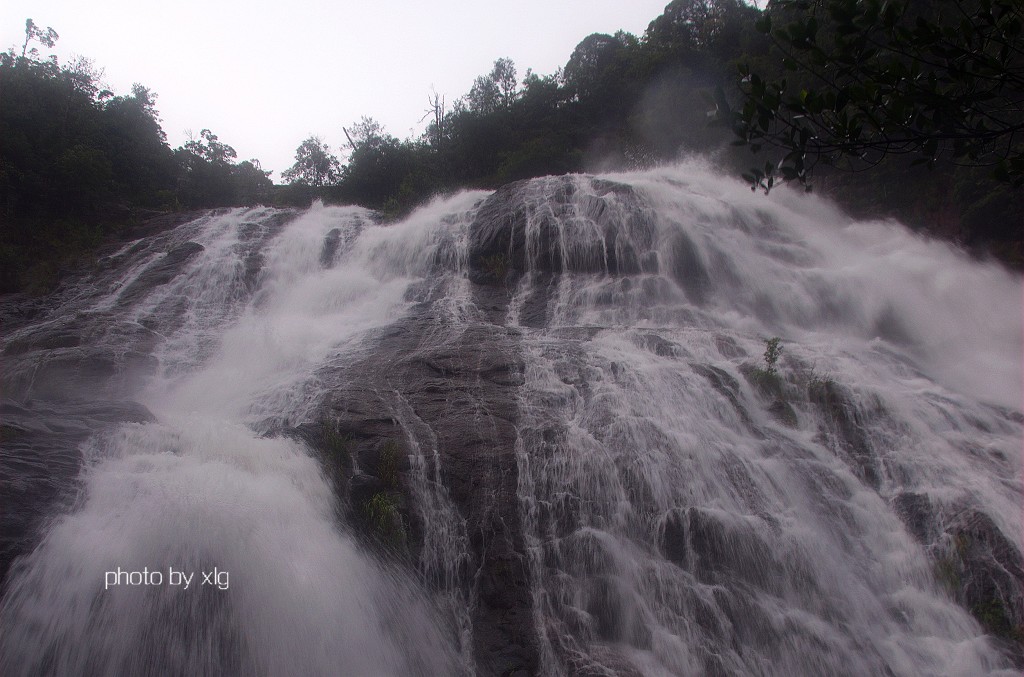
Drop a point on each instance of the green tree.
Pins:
(250, 183)
(314, 165)
(868, 79)
(689, 26)
(496, 90)
(209, 177)
(504, 76)
(77, 163)
(367, 130)
(379, 164)
(142, 162)
(589, 69)
(47, 38)
(209, 148)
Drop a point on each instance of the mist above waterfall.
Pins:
(525, 430)
(797, 264)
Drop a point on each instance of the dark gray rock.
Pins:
(156, 223)
(363, 487)
(974, 561)
(62, 337)
(160, 272)
(455, 394)
(726, 385)
(330, 248)
(846, 429)
(517, 229)
(985, 572)
(688, 269)
(918, 514)
(41, 459)
(784, 413)
(659, 346)
(716, 549)
(728, 347)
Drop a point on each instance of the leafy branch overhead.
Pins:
(866, 79)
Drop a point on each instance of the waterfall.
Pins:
(528, 431)
(688, 513)
(200, 488)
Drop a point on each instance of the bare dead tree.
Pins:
(436, 108)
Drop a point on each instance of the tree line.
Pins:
(925, 95)
(620, 101)
(78, 163)
(905, 108)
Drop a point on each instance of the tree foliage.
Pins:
(867, 79)
(494, 91)
(47, 38)
(625, 100)
(381, 167)
(855, 83)
(78, 162)
(597, 110)
(590, 66)
(208, 175)
(314, 164)
(693, 25)
(209, 148)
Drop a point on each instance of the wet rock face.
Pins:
(83, 353)
(522, 228)
(420, 434)
(916, 511)
(62, 380)
(991, 576)
(160, 272)
(447, 405)
(40, 460)
(974, 560)
(330, 248)
(68, 367)
(846, 430)
(716, 549)
(688, 269)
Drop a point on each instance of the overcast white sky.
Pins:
(264, 75)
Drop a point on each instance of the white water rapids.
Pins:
(200, 489)
(787, 557)
(682, 514)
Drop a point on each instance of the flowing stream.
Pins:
(600, 473)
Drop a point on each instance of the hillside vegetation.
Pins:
(80, 164)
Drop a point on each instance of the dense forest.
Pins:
(79, 164)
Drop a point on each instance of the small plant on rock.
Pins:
(772, 352)
(495, 266)
(385, 520)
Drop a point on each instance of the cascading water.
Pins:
(598, 472)
(200, 489)
(688, 512)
